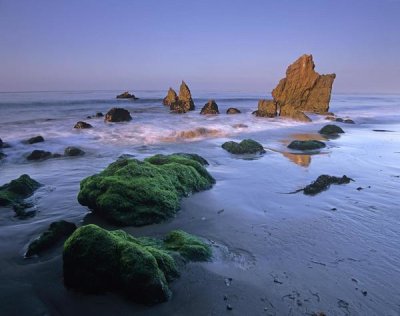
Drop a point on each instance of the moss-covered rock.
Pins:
(246, 146)
(306, 144)
(133, 192)
(323, 182)
(331, 129)
(17, 190)
(96, 260)
(57, 232)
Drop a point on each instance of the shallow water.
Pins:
(287, 254)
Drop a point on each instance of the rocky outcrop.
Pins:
(73, 151)
(246, 146)
(82, 125)
(118, 115)
(185, 102)
(126, 95)
(303, 89)
(266, 108)
(171, 97)
(34, 140)
(232, 111)
(210, 108)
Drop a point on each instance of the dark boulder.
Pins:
(99, 114)
(82, 125)
(36, 139)
(232, 111)
(348, 121)
(56, 233)
(14, 192)
(2, 155)
(306, 144)
(323, 182)
(73, 151)
(331, 130)
(118, 115)
(126, 95)
(39, 155)
(1, 143)
(210, 108)
(246, 146)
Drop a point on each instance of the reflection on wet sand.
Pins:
(194, 133)
(303, 160)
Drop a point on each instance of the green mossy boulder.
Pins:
(57, 232)
(133, 192)
(96, 260)
(306, 144)
(246, 146)
(331, 129)
(17, 190)
(323, 182)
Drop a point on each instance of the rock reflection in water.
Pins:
(303, 160)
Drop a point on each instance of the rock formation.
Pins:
(171, 97)
(266, 108)
(34, 140)
(232, 111)
(82, 125)
(185, 102)
(118, 115)
(126, 95)
(210, 108)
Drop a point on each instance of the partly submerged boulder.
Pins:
(73, 151)
(232, 111)
(306, 144)
(133, 192)
(331, 129)
(1, 143)
(14, 192)
(99, 114)
(82, 125)
(39, 155)
(246, 146)
(96, 260)
(118, 115)
(34, 140)
(57, 232)
(185, 102)
(323, 182)
(266, 108)
(126, 95)
(303, 89)
(170, 98)
(210, 108)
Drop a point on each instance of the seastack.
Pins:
(185, 102)
(170, 98)
(210, 108)
(303, 89)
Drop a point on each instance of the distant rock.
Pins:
(266, 108)
(99, 114)
(185, 102)
(73, 151)
(303, 89)
(36, 139)
(232, 111)
(210, 108)
(118, 115)
(126, 95)
(1, 143)
(331, 129)
(348, 121)
(246, 146)
(170, 98)
(39, 155)
(82, 125)
(306, 144)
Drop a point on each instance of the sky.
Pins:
(219, 45)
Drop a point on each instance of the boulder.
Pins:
(118, 115)
(246, 146)
(323, 182)
(303, 89)
(210, 108)
(185, 102)
(82, 125)
(170, 98)
(331, 129)
(39, 155)
(36, 139)
(14, 192)
(99, 114)
(232, 111)
(306, 144)
(348, 121)
(73, 151)
(126, 95)
(56, 233)
(294, 114)
(133, 192)
(96, 260)
(1, 143)
(266, 108)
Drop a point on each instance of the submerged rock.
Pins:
(1, 143)
(266, 108)
(133, 192)
(323, 182)
(118, 115)
(82, 125)
(185, 102)
(303, 89)
(170, 98)
(39, 155)
(73, 151)
(34, 140)
(96, 260)
(306, 144)
(331, 130)
(126, 95)
(232, 111)
(210, 108)
(57, 232)
(348, 121)
(99, 114)
(246, 146)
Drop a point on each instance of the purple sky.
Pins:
(219, 45)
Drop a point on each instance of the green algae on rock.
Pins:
(133, 192)
(331, 129)
(57, 232)
(306, 144)
(323, 182)
(246, 146)
(96, 260)
(17, 190)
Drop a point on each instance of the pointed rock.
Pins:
(185, 102)
(210, 108)
(170, 98)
